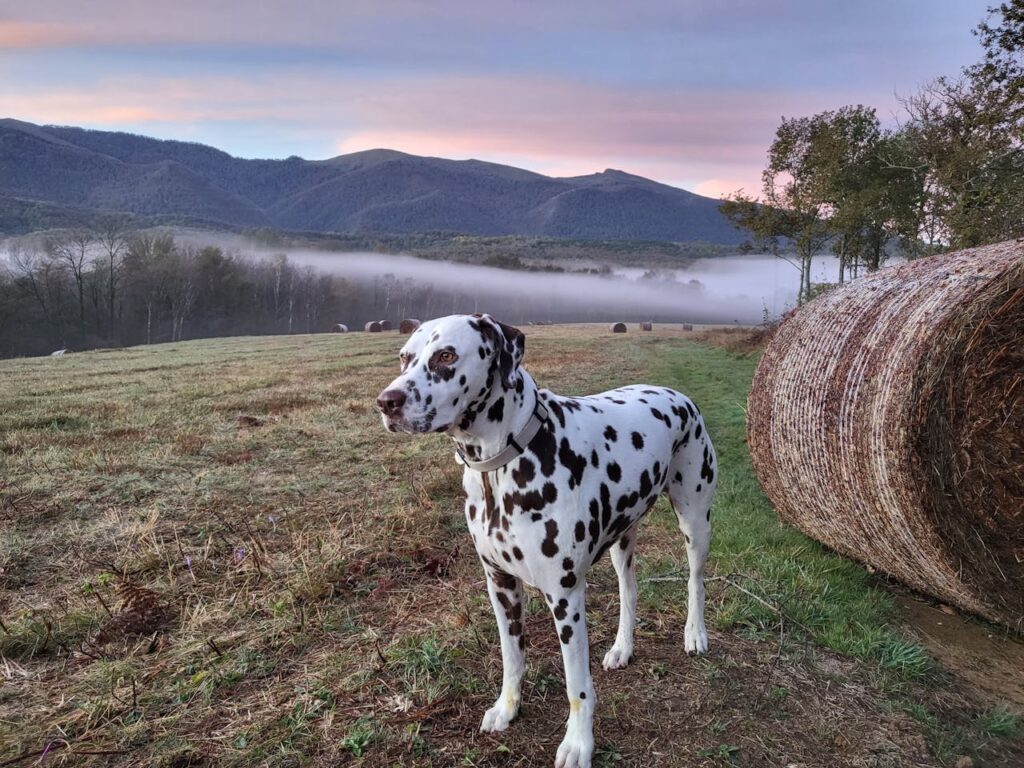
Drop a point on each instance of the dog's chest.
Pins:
(511, 539)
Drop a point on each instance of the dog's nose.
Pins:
(390, 401)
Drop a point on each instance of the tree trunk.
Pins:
(111, 285)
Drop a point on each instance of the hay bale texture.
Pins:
(648, 326)
(340, 328)
(886, 419)
(618, 328)
(372, 327)
(408, 325)
(385, 325)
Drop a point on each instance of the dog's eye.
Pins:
(447, 357)
(404, 360)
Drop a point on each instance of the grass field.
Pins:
(213, 554)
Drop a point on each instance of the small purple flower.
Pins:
(46, 751)
(239, 554)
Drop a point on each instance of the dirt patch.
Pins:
(734, 707)
(985, 659)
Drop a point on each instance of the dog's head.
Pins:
(451, 367)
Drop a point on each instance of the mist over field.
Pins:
(667, 296)
(733, 289)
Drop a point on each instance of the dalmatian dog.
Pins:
(552, 483)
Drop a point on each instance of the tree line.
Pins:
(948, 176)
(109, 286)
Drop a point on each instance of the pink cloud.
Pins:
(722, 187)
(28, 35)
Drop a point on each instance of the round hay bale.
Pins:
(618, 328)
(687, 326)
(648, 326)
(373, 327)
(385, 325)
(408, 325)
(340, 328)
(886, 419)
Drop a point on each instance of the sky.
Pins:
(687, 93)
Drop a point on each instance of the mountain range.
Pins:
(55, 176)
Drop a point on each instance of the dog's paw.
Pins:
(618, 656)
(575, 750)
(498, 717)
(696, 639)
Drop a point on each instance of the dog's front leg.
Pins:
(569, 611)
(506, 594)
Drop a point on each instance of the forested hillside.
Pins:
(372, 191)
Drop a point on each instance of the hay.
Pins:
(648, 326)
(385, 325)
(886, 419)
(687, 326)
(340, 328)
(408, 325)
(618, 328)
(373, 327)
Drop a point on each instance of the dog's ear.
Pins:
(509, 344)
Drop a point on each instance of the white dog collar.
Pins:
(516, 446)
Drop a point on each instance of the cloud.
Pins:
(717, 187)
(30, 35)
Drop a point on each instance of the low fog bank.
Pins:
(538, 296)
(738, 289)
(71, 291)
(771, 282)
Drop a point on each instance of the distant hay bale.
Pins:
(618, 328)
(340, 328)
(886, 419)
(687, 326)
(373, 327)
(385, 325)
(648, 326)
(408, 325)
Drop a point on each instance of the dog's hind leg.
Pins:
(621, 653)
(506, 593)
(691, 499)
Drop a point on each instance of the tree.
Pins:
(179, 288)
(113, 239)
(792, 209)
(1002, 69)
(872, 194)
(72, 250)
(958, 134)
(146, 274)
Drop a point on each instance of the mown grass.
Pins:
(801, 582)
(323, 604)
